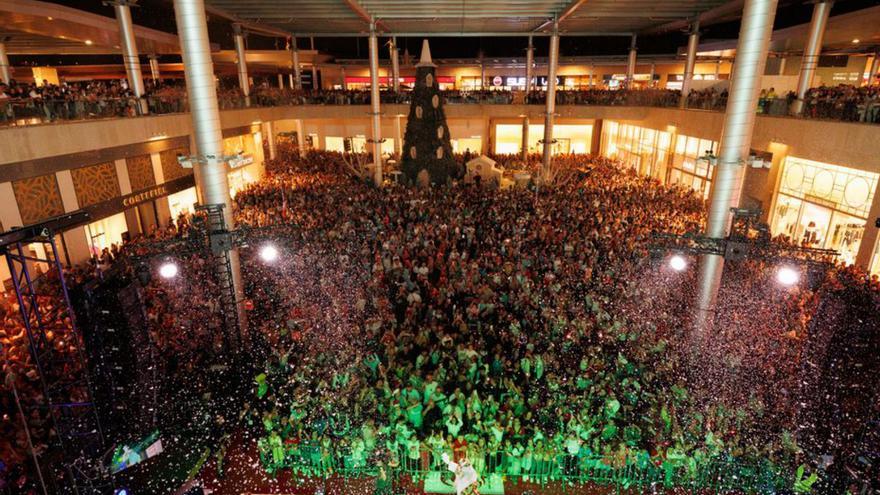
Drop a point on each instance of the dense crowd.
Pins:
(509, 328)
(47, 102)
(513, 327)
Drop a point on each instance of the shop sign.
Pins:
(542, 80)
(113, 206)
(240, 160)
(497, 81)
(138, 198)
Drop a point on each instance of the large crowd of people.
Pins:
(25, 102)
(527, 330)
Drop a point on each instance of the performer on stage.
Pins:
(466, 477)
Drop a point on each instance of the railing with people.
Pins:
(817, 105)
(720, 475)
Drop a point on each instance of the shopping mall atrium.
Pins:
(430, 246)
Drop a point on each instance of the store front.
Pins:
(651, 152)
(105, 232)
(356, 144)
(362, 83)
(247, 167)
(570, 138)
(182, 202)
(820, 205)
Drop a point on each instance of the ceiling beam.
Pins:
(567, 11)
(253, 27)
(458, 34)
(706, 17)
(361, 12)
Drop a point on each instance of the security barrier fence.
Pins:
(720, 475)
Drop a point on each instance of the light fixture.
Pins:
(50, 18)
(787, 276)
(88, 42)
(856, 41)
(269, 253)
(677, 263)
(168, 270)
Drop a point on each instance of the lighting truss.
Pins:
(747, 239)
(38, 283)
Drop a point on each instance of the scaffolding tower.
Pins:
(58, 356)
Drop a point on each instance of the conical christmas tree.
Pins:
(427, 152)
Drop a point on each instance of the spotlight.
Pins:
(269, 253)
(787, 276)
(168, 270)
(678, 263)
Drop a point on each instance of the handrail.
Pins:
(31, 111)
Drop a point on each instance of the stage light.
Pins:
(168, 270)
(678, 263)
(269, 253)
(121, 491)
(787, 276)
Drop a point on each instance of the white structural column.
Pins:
(651, 75)
(550, 108)
(812, 49)
(314, 64)
(631, 62)
(212, 184)
(530, 65)
(297, 71)
(241, 63)
(280, 80)
(690, 63)
(269, 131)
(872, 73)
(398, 137)
(155, 73)
(342, 83)
(374, 101)
(736, 138)
(5, 68)
(395, 65)
(130, 57)
(524, 146)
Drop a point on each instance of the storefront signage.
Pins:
(560, 80)
(497, 81)
(113, 206)
(137, 198)
(240, 160)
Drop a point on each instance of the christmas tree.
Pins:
(427, 152)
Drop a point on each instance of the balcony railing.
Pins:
(29, 111)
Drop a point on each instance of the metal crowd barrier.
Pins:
(715, 476)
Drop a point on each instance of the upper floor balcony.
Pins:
(847, 104)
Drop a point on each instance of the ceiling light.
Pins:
(856, 41)
(89, 42)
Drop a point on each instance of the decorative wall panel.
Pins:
(171, 169)
(95, 183)
(38, 198)
(140, 172)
